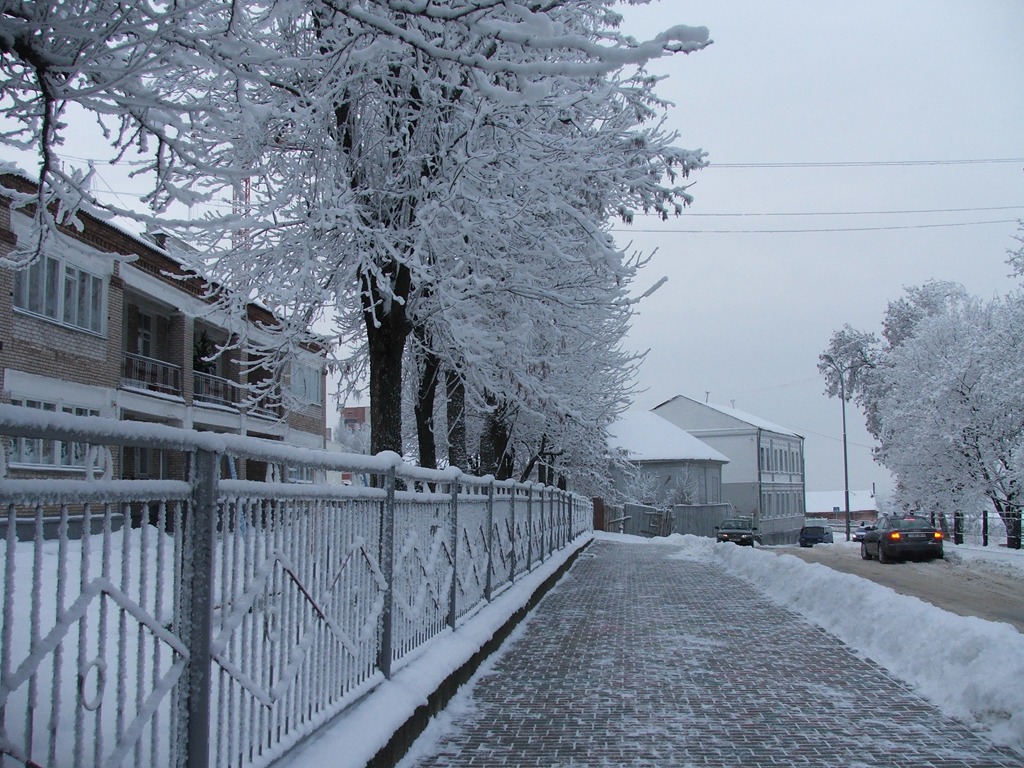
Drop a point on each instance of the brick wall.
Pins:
(50, 349)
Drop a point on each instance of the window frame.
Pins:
(42, 290)
(300, 377)
(62, 455)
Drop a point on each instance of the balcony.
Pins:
(150, 374)
(217, 390)
(267, 408)
(207, 388)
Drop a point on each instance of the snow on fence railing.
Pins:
(209, 621)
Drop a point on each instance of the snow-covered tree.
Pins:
(849, 356)
(936, 297)
(162, 84)
(853, 363)
(472, 189)
(1016, 255)
(948, 403)
(399, 168)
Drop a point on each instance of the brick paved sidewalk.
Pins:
(637, 659)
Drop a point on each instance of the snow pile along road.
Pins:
(970, 668)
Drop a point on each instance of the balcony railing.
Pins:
(208, 388)
(148, 373)
(267, 407)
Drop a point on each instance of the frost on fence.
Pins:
(472, 552)
(519, 525)
(317, 593)
(423, 572)
(295, 627)
(90, 647)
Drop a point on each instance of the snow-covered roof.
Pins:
(826, 501)
(748, 418)
(645, 436)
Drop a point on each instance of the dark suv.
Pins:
(740, 530)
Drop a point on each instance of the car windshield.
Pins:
(736, 524)
(815, 529)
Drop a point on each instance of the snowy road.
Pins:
(963, 584)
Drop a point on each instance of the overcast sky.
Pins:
(744, 316)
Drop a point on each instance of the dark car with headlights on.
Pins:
(739, 530)
(861, 531)
(902, 537)
(815, 534)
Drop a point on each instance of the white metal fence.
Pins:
(219, 621)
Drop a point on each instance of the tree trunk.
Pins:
(1010, 514)
(495, 447)
(386, 351)
(386, 344)
(455, 390)
(538, 456)
(426, 393)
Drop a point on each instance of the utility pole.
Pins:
(841, 373)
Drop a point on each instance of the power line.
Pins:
(688, 213)
(823, 164)
(805, 432)
(808, 230)
(869, 163)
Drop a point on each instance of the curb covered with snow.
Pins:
(970, 668)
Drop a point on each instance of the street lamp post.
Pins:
(846, 461)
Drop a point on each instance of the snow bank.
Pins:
(970, 668)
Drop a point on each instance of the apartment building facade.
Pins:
(108, 323)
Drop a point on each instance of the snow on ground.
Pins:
(970, 668)
(1009, 562)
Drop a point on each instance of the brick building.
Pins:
(108, 323)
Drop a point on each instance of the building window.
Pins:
(146, 463)
(36, 452)
(144, 335)
(61, 292)
(304, 383)
(301, 474)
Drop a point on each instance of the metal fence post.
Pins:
(551, 523)
(196, 609)
(529, 529)
(512, 534)
(489, 580)
(563, 519)
(543, 543)
(453, 591)
(387, 565)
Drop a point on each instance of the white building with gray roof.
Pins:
(764, 478)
